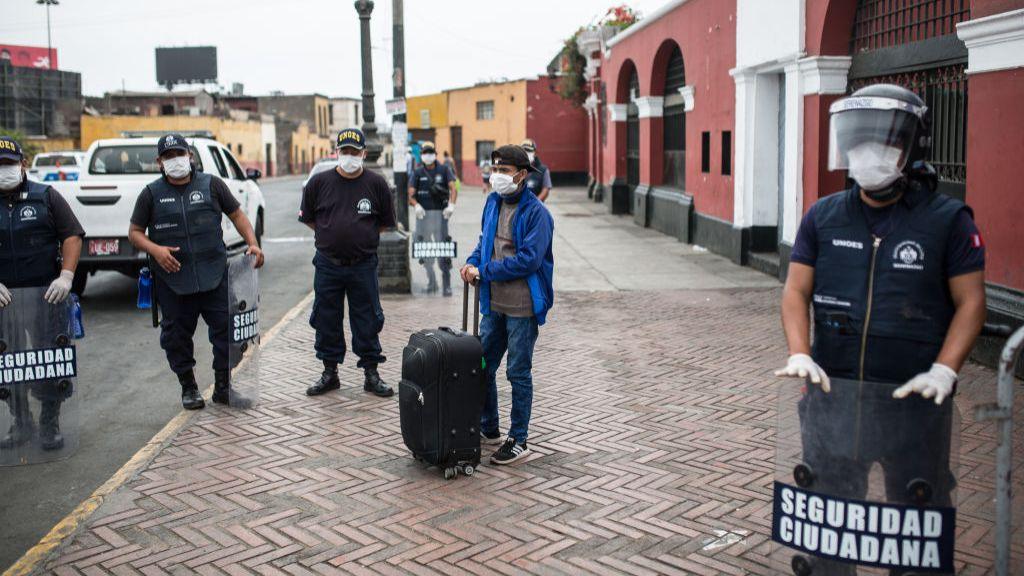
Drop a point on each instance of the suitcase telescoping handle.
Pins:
(476, 307)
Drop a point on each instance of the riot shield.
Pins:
(432, 252)
(243, 331)
(38, 369)
(864, 483)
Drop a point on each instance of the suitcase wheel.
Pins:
(468, 469)
(450, 473)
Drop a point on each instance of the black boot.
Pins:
(221, 385)
(446, 280)
(50, 437)
(328, 380)
(190, 398)
(374, 385)
(22, 428)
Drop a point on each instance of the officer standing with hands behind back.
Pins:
(347, 208)
(47, 242)
(182, 211)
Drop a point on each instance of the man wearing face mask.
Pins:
(182, 212)
(895, 270)
(47, 242)
(514, 263)
(432, 193)
(347, 208)
(538, 180)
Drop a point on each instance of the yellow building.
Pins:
(245, 138)
(308, 148)
(483, 117)
(425, 113)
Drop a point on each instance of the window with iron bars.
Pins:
(888, 23)
(944, 91)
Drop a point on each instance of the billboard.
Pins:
(189, 65)
(28, 56)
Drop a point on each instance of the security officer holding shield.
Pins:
(182, 211)
(46, 242)
(895, 274)
(432, 193)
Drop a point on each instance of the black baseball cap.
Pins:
(171, 142)
(351, 138)
(512, 155)
(529, 145)
(10, 149)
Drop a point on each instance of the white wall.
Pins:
(768, 30)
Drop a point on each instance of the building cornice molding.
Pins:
(650, 106)
(994, 42)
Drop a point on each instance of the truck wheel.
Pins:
(78, 284)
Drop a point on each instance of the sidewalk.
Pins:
(652, 432)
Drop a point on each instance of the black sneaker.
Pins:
(374, 385)
(328, 381)
(510, 452)
(490, 439)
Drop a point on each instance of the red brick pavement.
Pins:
(652, 433)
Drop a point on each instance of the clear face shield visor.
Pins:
(882, 129)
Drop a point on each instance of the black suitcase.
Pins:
(442, 392)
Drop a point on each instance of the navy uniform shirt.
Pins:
(965, 251)
(424, 179)
(347, 213)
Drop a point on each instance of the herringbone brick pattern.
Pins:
(653, 430)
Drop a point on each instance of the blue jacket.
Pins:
(532, 230)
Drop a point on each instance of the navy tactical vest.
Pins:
(189, 221)
(431, 187)
(895, 288)
(29, 246)
(535, 180)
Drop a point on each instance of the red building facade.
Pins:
(746, 158)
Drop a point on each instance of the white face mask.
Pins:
(503, 184)
(177, 167)
(10, 176)
(531, 156)
(875, 166)
(350, 164)
(429, 158)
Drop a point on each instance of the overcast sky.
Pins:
(304, 46)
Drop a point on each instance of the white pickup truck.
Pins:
(115, 172)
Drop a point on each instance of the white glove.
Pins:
(420, 212)
(802, 366)
(5, 296)
(448, 211)
(59, 288)
(937, 382)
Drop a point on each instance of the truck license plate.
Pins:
(104, 247)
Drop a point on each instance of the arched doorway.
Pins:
(633, 135)
(674, 124)
(893, 42)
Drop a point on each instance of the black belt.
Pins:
(346, 261)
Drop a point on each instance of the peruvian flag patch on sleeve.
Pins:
(976, 241)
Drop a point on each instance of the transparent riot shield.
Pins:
(432, 252)
(38, 368)
(243, 331)
(864, 483)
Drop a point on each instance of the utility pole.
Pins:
(49, 43)
(398, 123)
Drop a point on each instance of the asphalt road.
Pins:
(127, 392)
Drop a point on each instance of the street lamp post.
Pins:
(373, 147)
(398, 58)
(49, 43)
(393, 274)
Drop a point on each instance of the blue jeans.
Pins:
(517, 336)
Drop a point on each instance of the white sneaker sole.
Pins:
(512, 460)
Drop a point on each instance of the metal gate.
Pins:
(913, 43)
